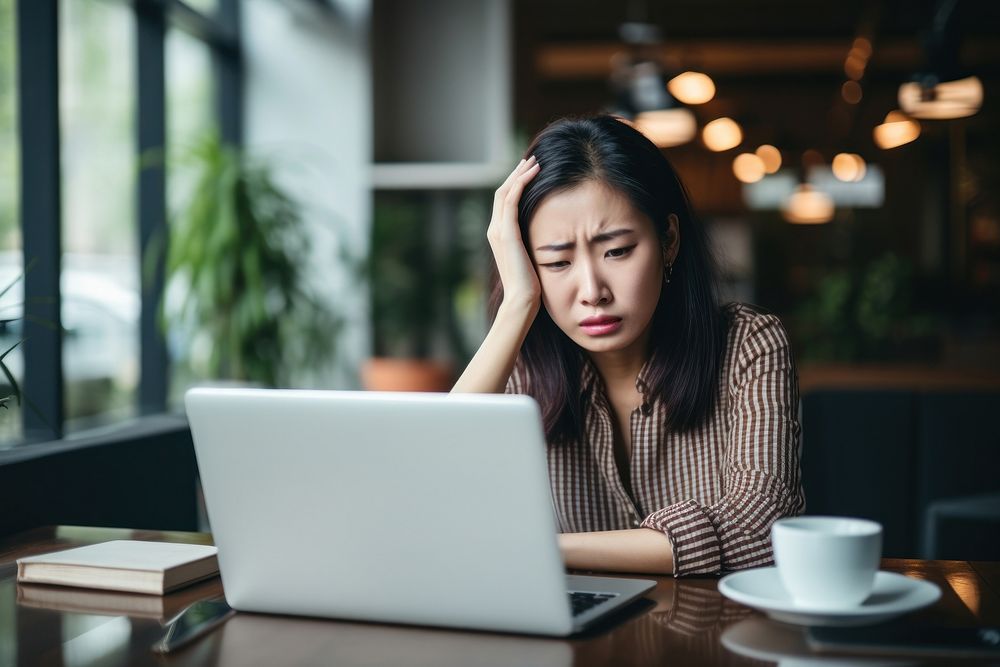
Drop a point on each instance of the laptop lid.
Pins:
(412, 508)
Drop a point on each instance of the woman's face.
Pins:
(600, 264)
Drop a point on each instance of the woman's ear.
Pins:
(672, 244)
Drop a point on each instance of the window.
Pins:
(10, 230)
(190, 109)
(207, 7)
(175, 61)
(100, 267)
(189, 117)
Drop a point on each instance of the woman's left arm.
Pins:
(761, 476)
(637, 550)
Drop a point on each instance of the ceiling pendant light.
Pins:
(896, 130)
(692, 87)
(849, 167)
(667, 127)
(748, 168)
(808, 206)
(771, 157)
(722, 134)
(944, 89)
(941, 100)
(641, 93)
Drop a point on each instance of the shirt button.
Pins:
(635, 523)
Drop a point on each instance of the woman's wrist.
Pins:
(518, 309)
(491, 367)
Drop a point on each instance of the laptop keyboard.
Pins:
(582, 601)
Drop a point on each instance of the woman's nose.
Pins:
(593, 289)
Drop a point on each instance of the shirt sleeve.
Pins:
(761, 476)
(517, 383)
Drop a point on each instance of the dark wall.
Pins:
(887, 455)
(859, 459)
(142, 476)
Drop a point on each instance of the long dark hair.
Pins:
(688, 334)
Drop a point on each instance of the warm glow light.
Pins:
(862, 168)
(771, 157)
(722, 134)
(967, 589)
(951, 99)
(863, 47)
(692, 87)
(667, 127)
(748, 168)
(807, 206)
(896, 130)
(854, 67)
(851, 92)
(849, 167)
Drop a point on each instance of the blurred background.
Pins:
(295, 193)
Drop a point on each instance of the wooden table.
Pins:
(682, 622)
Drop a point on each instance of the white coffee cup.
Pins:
(827, 562)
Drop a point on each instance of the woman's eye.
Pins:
(620, 252)
(556, 265)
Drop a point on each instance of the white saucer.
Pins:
(893, 595)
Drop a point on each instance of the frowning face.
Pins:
(600, 264)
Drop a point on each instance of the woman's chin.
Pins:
(603, 344)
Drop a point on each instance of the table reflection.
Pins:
(94, 640)
(680, 622)
(101, 602)
(253, 639)
(764, 639)
(682, 628)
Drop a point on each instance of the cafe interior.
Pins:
(295, 194)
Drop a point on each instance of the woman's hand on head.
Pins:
(491, 366)
(521, 289)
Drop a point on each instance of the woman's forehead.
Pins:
(589, 208)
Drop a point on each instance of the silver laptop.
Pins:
(428, 509)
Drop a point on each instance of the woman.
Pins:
(671, 423)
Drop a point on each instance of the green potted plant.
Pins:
(413, 289)
(870, 314)
(11, 389)
(235, 255)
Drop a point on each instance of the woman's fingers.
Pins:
(502, 208)
(515, 189)
(513, 197)
(518, 170)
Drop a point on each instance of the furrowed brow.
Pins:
(556, 247)
(613, 234)
(599, 238)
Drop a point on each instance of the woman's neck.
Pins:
(618, 370)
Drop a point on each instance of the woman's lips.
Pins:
(600, 326)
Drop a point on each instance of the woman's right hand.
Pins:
(491, 366)
(521, 289)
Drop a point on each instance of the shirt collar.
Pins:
(642, 380)
(591, 379)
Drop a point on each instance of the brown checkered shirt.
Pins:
(714, 490)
